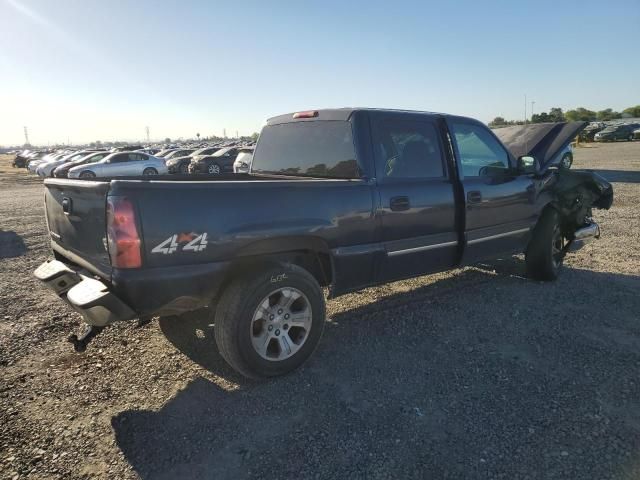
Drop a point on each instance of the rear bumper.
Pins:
(134, 292)
(88, 296)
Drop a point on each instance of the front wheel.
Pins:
(269, 322)
(545, 252)
(150, 171)
(631, 137)
(87, 174)
(214, 169)
(567, 161)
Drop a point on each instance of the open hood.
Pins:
(541, 140)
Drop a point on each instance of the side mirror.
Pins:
(528, 165)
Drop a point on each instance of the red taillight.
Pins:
(307, 114)
(122, 234)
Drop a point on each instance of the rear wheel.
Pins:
(269, 322)
(150, 171)
(87, 174)
(544, 255)
(567, 161)
(214, 169)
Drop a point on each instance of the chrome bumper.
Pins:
(88, 296)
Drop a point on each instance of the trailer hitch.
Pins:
(80, 343)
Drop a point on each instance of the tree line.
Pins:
(579, 114)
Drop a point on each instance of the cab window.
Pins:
(407, 149)
(480, 153)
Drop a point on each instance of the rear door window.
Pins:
(311, 148)
(407, 149)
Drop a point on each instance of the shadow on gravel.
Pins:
(620, 175)
(483, 374)
(11, 245)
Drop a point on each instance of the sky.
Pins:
(87, 70)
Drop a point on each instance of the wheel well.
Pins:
(311, 254)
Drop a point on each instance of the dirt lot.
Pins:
(476, 373)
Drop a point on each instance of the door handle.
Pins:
(399, 204)
(474, 197)
(66, 205)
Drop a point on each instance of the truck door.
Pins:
(417, 205)
(499, 202)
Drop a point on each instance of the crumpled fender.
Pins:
(580, 182)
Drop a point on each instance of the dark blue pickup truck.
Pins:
(344, 199)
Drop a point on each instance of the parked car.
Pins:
(614, 132)
(62, 171)
(23, 158)
(242, 163)
(33, 165)
(564, 159)
(181, 164)
(120, 164)
(344, 199)
(589, 132)
(216, 164)
(163, 153)
(180, 152)
(46, 169)
(125, 148)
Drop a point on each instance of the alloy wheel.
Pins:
(281, 324)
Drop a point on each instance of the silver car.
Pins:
(46, 169)
(121, 164)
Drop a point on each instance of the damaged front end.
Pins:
(576, 193)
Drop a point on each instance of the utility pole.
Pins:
(532, 104)
(26, 136)
(525, 108)
(237, 135)
(147, 130)
(224, 133)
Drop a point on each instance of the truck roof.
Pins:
(344, 114)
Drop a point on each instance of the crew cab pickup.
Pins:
(342, 198)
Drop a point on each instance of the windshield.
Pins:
(221, 152)
(310, 148)
(90, 158)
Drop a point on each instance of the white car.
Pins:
(46, 169)
(121, 164)
(242, 163)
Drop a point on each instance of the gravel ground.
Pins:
(475, 373)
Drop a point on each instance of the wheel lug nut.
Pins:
(286, 316)
(277, 332)
(280, 312)
(271, 317)
(285, 326)
(270, 327)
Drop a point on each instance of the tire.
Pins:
(214, 169)
(567, 161)
(183, 169)
(87, 174)
(543, 257)
(149, 171)
(250, 336)
(631, 137)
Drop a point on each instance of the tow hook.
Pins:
(80, 343)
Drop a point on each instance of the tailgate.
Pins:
(76, 216)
